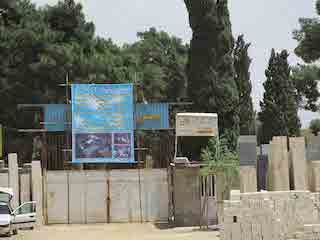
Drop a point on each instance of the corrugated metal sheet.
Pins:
(81, 197)
(55, 117)
(152, 116)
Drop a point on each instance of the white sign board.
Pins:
(197, 124)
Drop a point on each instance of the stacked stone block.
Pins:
(243, 222)
(248, 163)
(314, 176)
(310, 232)
(298, 163)
(278, 171)
(268, 215)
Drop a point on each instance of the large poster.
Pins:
(102, 123)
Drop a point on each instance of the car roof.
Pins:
(3, 204)
(8, 191)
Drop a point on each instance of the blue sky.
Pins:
(266, 24)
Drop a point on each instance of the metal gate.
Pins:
(107, 196)
(209, 205)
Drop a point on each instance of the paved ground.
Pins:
(114, 232)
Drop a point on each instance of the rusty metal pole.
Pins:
(139, 176)
(108, 198)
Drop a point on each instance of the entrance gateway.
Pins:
(109, 194)
(103, 125)
(192, 202)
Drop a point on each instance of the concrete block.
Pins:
(313, 149)
(314, 180)
(248, 150)
(235, 195)
(248, 179)
(298, 163)
(14, 178)
(2, 165)
(308, 228)
(256, 231)
(226, 233)
(187, 197)
(235, 231)
(278, 171)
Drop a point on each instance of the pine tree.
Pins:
(210, 69)
(242, 63)
(279, 109)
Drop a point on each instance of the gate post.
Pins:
(108, 196)
(45, 196)
(14, 178)
(37, 192)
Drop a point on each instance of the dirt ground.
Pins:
(114, 232)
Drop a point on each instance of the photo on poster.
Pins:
(93, 145)
(122, 152)
(122, 138)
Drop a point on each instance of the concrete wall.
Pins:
(24, 184)
(25, 187)
(155, 195)
(269, 215)
(57, 197)
(82, 196)
(4, 178)
(187, 197)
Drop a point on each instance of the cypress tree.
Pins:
(242, 64)
(210, 68)
(279, 109)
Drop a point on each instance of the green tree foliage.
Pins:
(242, 63)
(42, 45)
(220, 158)
(210, 70)
(68, 18)
(315, 126)
(279, 109)
(8, 11)
(305, 79)
(161, 65)
(222, 162)
(308, 37)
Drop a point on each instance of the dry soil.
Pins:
(114, 232)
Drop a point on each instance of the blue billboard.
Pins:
(152, 116)
(102, 123)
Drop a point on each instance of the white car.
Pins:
(12, 220)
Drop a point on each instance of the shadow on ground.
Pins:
(167, 226)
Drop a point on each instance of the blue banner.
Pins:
(152, 116)
(102, 123)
